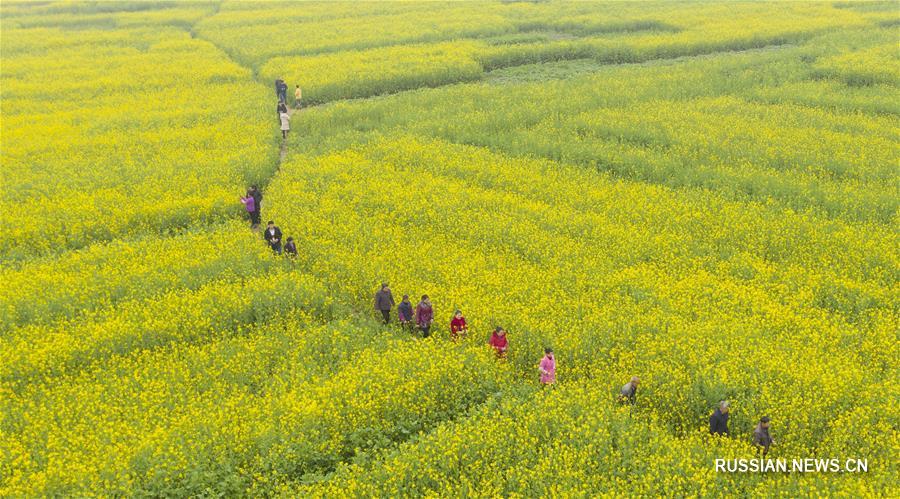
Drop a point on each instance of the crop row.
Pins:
(700, 28)
(218, 307)
(287, 399)
(696, 136)
(368, 71)
(575, 442)
(149, 139)
(102, 275)
(699, 295)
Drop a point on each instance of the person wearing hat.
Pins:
(499, 342)
(629, 391)
(718, 421)
(405, 312)
(458, 327)
(761, 438)
(384, 301)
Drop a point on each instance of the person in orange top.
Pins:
(458, 326)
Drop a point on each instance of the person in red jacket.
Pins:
(499, 342)
(458, 326)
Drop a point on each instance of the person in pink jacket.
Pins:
(547, 367)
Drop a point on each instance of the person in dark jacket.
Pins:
(384, 301)
(273, 237)
(290, 248)
(405, 312)
(281, 90)
(629, 391)
(761, 438)
(718, 421)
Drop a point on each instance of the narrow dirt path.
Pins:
(283, 151)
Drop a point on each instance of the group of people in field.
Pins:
(421, 318)
(718, 425)
(284, 116)
(272, 234)
(718, 420)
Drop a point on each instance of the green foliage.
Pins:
(701, 194)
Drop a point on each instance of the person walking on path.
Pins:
(424, 316)
(256, 194)
(718, 421)
(285, 125)
(761, 437)
(405, 312)
(281, 90)
(547, 367)
(290, 248)
(273, 237)
(499, 342)
(250, 206)
(384, 301)
(629, 391)
(458, 327)
(298, 95)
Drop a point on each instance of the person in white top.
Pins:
(285, 124)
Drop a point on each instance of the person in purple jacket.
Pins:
(256, 194)
(250, 206)
(424, 316)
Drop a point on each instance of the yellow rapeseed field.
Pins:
(704, 195)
